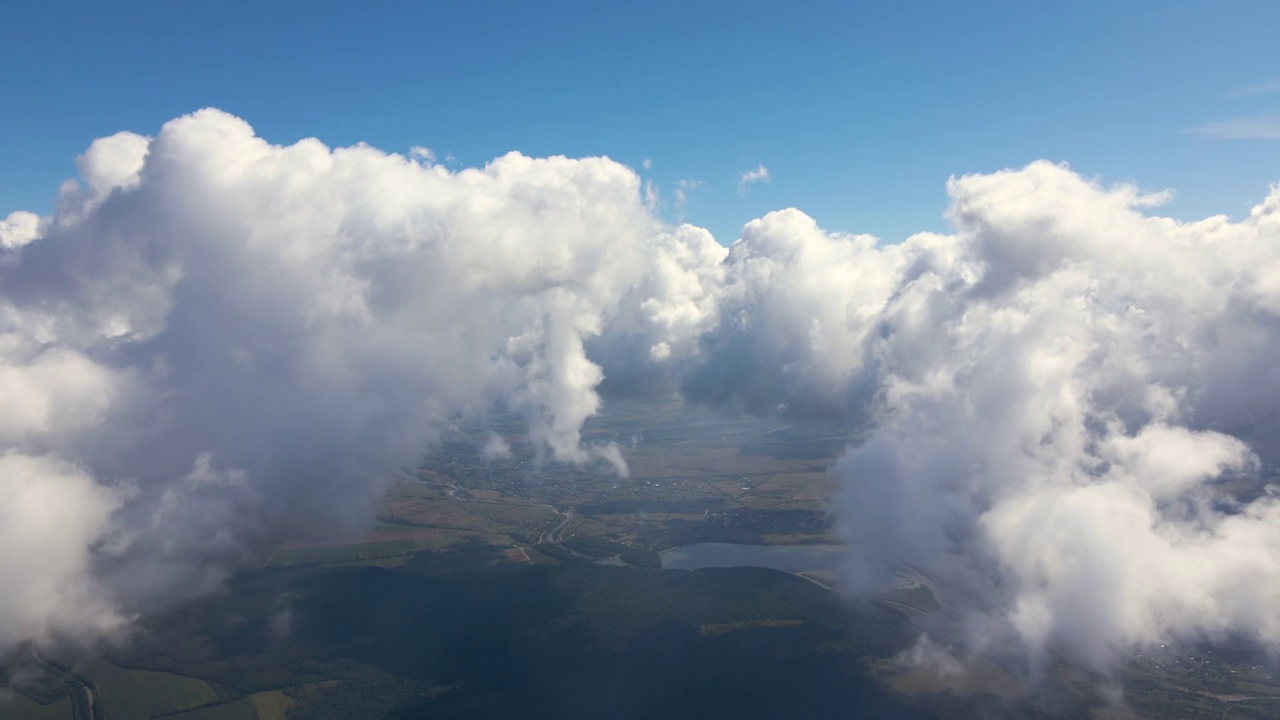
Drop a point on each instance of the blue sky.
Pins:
(860, 111)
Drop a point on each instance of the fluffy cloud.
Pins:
(1053, 392)
(797, 311)
(759, 174)
(18, 229)
(50, 515)
(238, 341)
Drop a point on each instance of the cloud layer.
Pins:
(216, 342)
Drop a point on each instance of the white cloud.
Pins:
(1268, 87)
(496, 448)
(51, 514)
(652, 199)
(681, 193)
(238, 341)
(759, 174)
(18, 229)
(1243, 128)
(423, 155)
(646, 163)
(1050, 383)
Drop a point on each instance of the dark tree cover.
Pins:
(561, 641)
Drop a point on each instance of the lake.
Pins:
(791, 558)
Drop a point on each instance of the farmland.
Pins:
(137, 694)
(518, 587)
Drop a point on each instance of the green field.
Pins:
(123, 694)
(235, 710)
(270, 705)
(325, 554)
(14, 706)
(137, 694)
(722, 628)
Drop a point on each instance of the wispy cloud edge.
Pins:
(1268, 87)
(759, 174)
(1241, 128)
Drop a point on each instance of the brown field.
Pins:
(695, 460)
(785, 490)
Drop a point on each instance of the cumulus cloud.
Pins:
(1053, 392)
(216, 342)
(794, 314)
(1242, 128)
(18, 229)
(759, 174)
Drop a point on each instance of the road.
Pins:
(553, 535)
(82, 696)
(926, 582)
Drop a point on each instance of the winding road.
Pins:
(83, 697)
(553, 535)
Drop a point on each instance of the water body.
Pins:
(791, 558)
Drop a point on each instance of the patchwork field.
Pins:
(693, 477)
